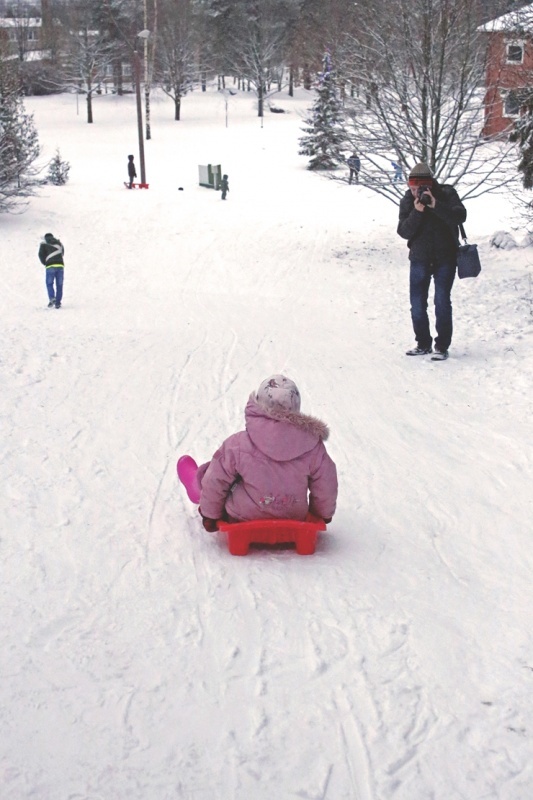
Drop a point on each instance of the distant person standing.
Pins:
(51, 254)
(354, 165)
(132, 172)
(224, 185)
(397, 176)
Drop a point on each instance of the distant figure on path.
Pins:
(224, 185)
(354, 164)
(51, 253)
(132, 172)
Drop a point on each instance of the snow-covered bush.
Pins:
(503, 240)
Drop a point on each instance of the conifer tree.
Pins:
(58, 170)
(324, 137)
(19, 142)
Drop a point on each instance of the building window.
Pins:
(511, 104)
(515, 101)
(515, 53)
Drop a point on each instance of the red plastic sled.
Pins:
(137, 185)
(273, 531)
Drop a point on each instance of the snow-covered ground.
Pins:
(141, 661)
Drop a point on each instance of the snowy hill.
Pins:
(141, 661)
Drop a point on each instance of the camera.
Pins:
(422, 195)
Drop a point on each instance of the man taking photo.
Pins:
(429, 219)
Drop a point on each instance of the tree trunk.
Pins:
(177, 109)
(147, 111)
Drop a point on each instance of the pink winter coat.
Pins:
(268, 470)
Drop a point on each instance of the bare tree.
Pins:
(419, 86)
(257, 42)
(86, 62)
(178, 46)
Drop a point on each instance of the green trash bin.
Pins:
(210, 175)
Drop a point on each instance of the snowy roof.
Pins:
(36, 55)
(21, 22)
(520, 20)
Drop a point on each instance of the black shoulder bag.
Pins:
(468, 263)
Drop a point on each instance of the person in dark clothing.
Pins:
(224, 185)
(354, 164)
(132, 172)
(51, 254)
(429, 218)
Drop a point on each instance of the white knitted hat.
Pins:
(279, 392)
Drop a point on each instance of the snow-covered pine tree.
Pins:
(324, 136)
(19, 142)
(522, 135)
(57, 170)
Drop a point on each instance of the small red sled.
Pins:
(273, 531)
(136, 185)
(257, 531)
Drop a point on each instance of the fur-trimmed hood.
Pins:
(282, 435)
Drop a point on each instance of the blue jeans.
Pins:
(54, 274)
(443, 273)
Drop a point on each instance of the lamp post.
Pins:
(137, 66)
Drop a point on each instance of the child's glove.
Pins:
(209, 524)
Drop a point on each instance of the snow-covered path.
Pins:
(140, 661)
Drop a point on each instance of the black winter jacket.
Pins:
(433, 233)
(51, 252)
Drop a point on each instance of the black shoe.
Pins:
(419, 351)
(440, 355)
(51, 303)
(58, 305)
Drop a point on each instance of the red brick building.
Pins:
(509, 71)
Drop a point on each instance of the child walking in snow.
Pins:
(278, 468)
(224, 185)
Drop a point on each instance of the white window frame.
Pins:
(504, 94)
(515, 43)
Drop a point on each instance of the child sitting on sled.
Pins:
(277, 468)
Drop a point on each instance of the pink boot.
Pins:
(187, 470)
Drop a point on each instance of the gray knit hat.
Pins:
(420, 171)
(279, 392)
